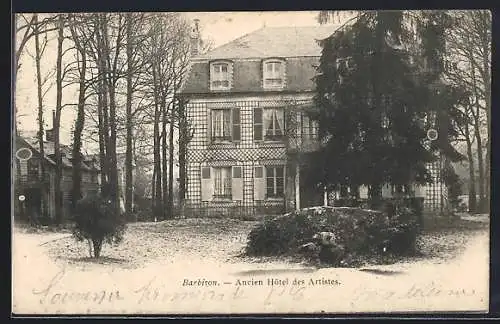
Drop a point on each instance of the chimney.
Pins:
(49, 133)
(195, 38)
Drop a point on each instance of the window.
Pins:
(93, 178)
(344, 64)
(385, 121)
(258, 172)
(205, 173)
(274, 74)
(269, 123)
(222, 182)
(219, 76)
(221, 124)
(237, 172)
(275, 181)
(33, 169)
(309, 127)
(274, 124)
(226, 124)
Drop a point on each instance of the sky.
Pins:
(219, 27)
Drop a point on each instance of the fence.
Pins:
(232, 210)
(262, 209)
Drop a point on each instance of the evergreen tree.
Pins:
(379, 90)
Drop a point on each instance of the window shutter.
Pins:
(387, 191)
(257, 124)
(363, 192)
(419, 191)
(236, 124)
(259, 183)
(207, 184)
(237, 185)
(209, 125)
(24, 167)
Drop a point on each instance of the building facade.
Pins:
(246, 104)
(34, 192)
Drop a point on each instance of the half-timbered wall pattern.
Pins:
(244, 151)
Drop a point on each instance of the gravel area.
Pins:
(217, 239)
(223, 240)
(448, 241)
(147, 271)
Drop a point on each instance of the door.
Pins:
(33, 203)
(310, 194)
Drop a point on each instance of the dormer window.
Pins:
(273, 74)
(220, 76)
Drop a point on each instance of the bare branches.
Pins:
(133, 66)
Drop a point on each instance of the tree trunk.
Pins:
(97, 247)
(485, 18)
(487, 160)
(102, 143)
(171, 164)
(90, 247)
(113, 169)
(102, 106)
(38, 57)
(129, 131)
(164, 170)
(57, 120)
(375, 194)
(77, 138)
(157, 199)
(110, 80)
(477, 125)
(480, 164)
(472, 176)
(183, 138)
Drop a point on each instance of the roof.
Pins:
(48, 148)
(273, 42)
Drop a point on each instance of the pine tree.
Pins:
(378, 92)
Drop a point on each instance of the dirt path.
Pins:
(44, 286)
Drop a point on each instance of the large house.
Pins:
(246, 102)
(34, 193)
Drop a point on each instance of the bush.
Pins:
(353, 233)
(97, 221)
(403, 231)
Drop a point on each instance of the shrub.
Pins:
(354, 234)
(403, 231)
(97, 221)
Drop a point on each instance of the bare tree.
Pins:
(26, 28)
(79, 36)
(57, 121)
(41, 81)
(469, 44)
(105, 49)
(160, 48)
(134, 22)
(181, 59)
(128, 156)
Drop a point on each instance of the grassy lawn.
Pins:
(222, 240)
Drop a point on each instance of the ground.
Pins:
(170, 267)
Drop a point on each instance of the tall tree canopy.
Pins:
(379, 90)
